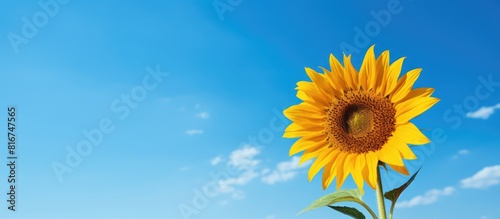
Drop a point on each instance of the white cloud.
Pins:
(483, 112)
(272, 216)
(244, 161)
(184, 169)
(265, 171)
(244, 178)
(429, 197)
(203, 115)
(248, 168)
(461, 153)
(488, 176)
(238, 194)
(216, 160)
(284, 171)
(194, 132)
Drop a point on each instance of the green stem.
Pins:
(392, 210)
(367, 208)
(380, 196)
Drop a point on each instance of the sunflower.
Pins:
(352, 122)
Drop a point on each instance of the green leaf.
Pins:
(337, 196)
(394, 194)
(353, 212)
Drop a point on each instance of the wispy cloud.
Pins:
(216, 160)
(429, 197)
(488, 176)
(193, 132)
(483, 112)
(461, 153)
(165, 100)
(244, 161)
(272, 216)
(203, 115)
(284, 171)
(248, 168)
(184, 169)
(244, 158)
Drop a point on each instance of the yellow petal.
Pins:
(399, 169)
(320, 162)
(294, 127)
(381, 73)
(368, 68)
(294, 130)
(372, 165)
(402, 147)
(332, 172)
(303, 144)
(321, 84)
(303, 106)
(311, 90)
(410, 134)
(312, 98)
(392, 76)
(309, 123)
(304, 110)
(312, 153)
(304, 97)
(357, 171)
(308, 156)
(416, 93)
(306, 86)
(335, 65)
(366, 171)
(329, 170)
(390, 155)
(303, 135)
(351, 73)
(317, 137)
(346, 169)
(418, 107)
(333, 88)
(337, 72)
(404, 85)
(339, 163)
(327, 175)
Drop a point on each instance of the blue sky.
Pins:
(171, 93)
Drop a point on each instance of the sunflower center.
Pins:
(359, 122)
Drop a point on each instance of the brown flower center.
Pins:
(359, 122)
